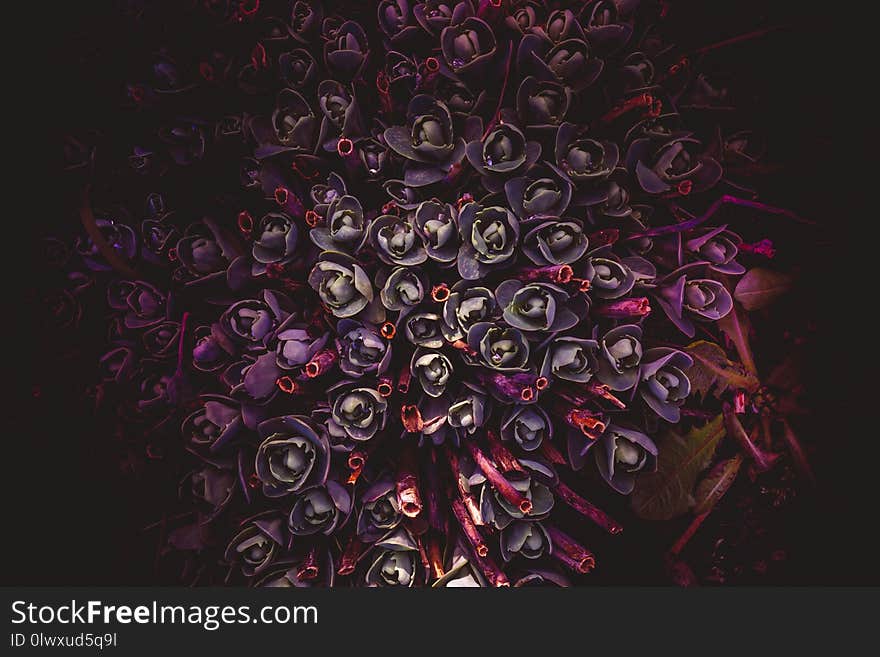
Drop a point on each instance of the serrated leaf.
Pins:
(715, 484)
(736, 325)
(666, 493)
(713, 369)
(760, 287)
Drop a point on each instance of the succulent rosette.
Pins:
(528, 426)
(360, 412)
(341, 113)
(620, 357)
(499, 347)
(277, 241)
(252, 322)
(295, 346)
(403, 290)
(432, 370)
(502, 153)
(586, 161)
(489, 238)
(525, 539)
(470, 410)
(142, 303)
(535, 306)
(542, 104)
(679, 163)
(396, 241)
(685, 299)
(468, 45)
(664, 384)
(621, 454)
(294, 454)
(609, 276)
(569, 62)
(467, 304)
(215, 425)
(376, 278)
(346, 53)
(380, 511)
(555, 242)
(717, 246)
(427, 142)
(341, 283)
(571, 359)
(397, 562)
(543, 192)
(256, 547)
(319, 509)
(202, 251)
(345, 228)
(437, 225)
(361, 348)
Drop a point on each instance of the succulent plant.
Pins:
(433, 278)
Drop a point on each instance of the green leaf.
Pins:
(713, 369)
(761, 287)
(716, 483)
(666, 493)
(736, 325)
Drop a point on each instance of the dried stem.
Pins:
(569, 551)
(587, 509)
(692, 223)
(548, 451)
(435, 557)
(497, 480)
(470, 503)
(408, 496)
(308, 569)
(692, 528)
(797, 452)
(501, 455)
(489, 568)
(469, 529)
(436, 518)
(350, 556)
(763, 460)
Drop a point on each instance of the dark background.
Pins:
(72, 516)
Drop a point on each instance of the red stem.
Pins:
(684, 226)
(797, 452)
(763, 460)
(495, 116)
(308, 569)
(737, 39)
(470, 503)
(469, 528)
(497, 480)
(436, 519)
(408, 496)
(351, 555)
(688, 533)
(549, 451)
(579, 558)
(587, 509)
(501, 455)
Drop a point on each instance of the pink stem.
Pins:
(716, 205)
(503, 91)
(587, 509)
